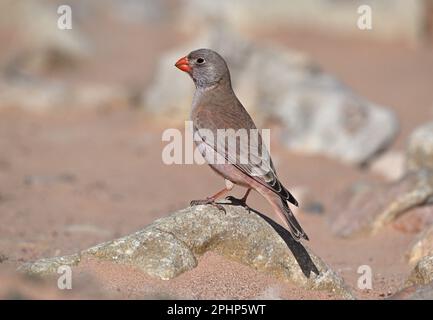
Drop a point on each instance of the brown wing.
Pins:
(239, 127)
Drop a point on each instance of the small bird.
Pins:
(215, 107)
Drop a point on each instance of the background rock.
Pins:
(422, 292)
(390, 165)
(415, 220)
(392, 19)
(423, 246)
(37, 95)
(422, 274)
(318, 113)
(171, 245)
(420, 148)
(332, 121)
(42, 47)
(372, 208)
(419, 284)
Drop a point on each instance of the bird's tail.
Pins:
(294, 226)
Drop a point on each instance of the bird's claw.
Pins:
(208, 201)
(238, 202)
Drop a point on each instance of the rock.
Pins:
(399, 19)
(370, 209)
(171, 246)
(390, 165)
(412, 194)
(419, 284)
(422, 247)
(319, 115)
(423, 292)
(422, 274)
(415, 220)
(43, 47)
(420, 148)
(49, 266)
(419, 192)
(38, 96)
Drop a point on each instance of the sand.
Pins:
(76, 178)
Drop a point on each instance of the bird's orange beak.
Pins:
(183, 64)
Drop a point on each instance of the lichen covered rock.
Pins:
(171, 245)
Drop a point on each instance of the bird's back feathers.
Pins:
(219, 108)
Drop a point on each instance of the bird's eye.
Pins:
(200, 60)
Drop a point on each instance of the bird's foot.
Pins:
(208, 201)
(238, 202)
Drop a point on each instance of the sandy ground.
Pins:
(76, 178)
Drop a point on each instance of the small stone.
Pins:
(314, 207)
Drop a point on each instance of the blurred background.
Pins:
(82, 111)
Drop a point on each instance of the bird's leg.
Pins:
(240, 202)
(211, 200)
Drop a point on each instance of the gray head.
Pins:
(206, 68)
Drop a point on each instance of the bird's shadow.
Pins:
(298, 250)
